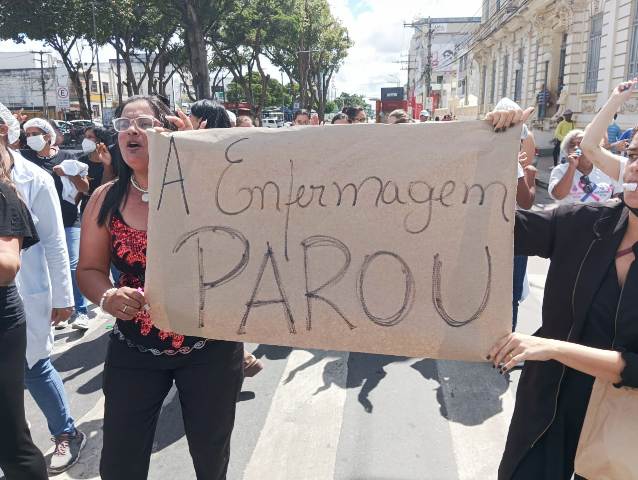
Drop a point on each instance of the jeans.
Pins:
(47, 389)
(520, 267)
(73, 246)
(19, 457)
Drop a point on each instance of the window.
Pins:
(439, 79)
(518, 77)
(561, 65)
(633, 44)
(506, 61)
(93, 87)
(105, 87)
(493, 91)
(498, 5)
(483, 84)
(593, 53)
(462, 88)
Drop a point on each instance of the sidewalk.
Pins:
(543, 166)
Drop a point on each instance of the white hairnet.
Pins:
(43, 125)
(12, 123)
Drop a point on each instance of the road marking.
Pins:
(301, 433)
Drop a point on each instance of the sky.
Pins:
(379, 37)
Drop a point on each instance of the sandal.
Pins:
(252, 365)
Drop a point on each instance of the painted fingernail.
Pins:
(488, 357)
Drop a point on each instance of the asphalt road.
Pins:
(317, 415)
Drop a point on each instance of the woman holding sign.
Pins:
(142, 361)
(589, 329)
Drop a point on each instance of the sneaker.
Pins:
(80, 321)
(67, 451)
(62, 325)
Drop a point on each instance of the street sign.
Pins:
(62, 97)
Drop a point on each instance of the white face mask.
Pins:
(37, 142)
(88, 146)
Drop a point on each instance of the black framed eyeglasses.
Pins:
(586, 184)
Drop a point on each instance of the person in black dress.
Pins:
(19, 457)
(589, 327)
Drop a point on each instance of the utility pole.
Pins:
(97, 60)
(428, 66)
(45, 109)
(119, 79)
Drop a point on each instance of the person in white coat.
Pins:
(44, 283)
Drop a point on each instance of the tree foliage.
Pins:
(194, 39)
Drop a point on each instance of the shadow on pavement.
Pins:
(474, 393)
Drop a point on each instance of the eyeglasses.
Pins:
(143, 122)
(586, 183)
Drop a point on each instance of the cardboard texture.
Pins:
(393, 239)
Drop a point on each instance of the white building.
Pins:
(579, 49)
(439, 38)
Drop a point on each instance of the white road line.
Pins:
(301, 433)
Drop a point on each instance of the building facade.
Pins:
(578, 50)
(434, 49)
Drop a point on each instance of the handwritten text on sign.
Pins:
(375, 238)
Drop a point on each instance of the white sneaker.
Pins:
(62, 325)
(80, 321)
(67, 451)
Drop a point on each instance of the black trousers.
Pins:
(19, 457)
(556, 152)
(135, 385)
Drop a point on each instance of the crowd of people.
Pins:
(81, 221)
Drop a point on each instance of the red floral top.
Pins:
(128, 255)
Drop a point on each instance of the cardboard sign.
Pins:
(393, 239)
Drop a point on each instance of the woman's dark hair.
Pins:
(211, 111)
(118, 193)
(341, 116)
(352, 112)
(102, 134)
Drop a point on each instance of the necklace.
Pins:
(139, 189)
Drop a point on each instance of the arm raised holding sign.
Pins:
(143, 361)
(586, 331)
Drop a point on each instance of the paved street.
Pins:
(316, 415)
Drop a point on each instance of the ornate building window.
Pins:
(593, 53)
(633, 43)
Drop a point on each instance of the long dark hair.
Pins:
(102, 134)
(118, 193)
(214, 114)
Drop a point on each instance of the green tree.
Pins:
(310, 45)
(200, 20)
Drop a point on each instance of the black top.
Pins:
(15, 221)
(96, 171)
(581, 240)
(70, 213)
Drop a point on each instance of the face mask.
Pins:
(37, 143)
(633, 210)
(88, 146)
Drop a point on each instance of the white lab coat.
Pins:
(44, 279)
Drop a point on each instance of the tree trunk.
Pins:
(77, 85)
(197, 55)
(87, 83)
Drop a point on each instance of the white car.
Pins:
(270, 123)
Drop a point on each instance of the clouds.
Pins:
(376, 28)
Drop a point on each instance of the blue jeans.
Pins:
(73, 246)
(46, 387)
(520, 267)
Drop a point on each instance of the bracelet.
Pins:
(106, 294)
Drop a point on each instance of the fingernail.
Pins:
(488, 357)
(493, 366)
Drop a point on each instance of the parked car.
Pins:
(66, 128)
